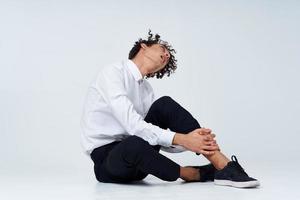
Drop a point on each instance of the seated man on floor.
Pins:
(125, 126)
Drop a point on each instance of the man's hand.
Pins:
(200, 141)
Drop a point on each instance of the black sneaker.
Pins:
(234, 175)
(207, 172)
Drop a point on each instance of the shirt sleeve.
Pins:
(110, 84)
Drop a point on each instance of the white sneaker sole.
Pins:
(248, 184)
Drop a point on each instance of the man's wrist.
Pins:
(178, 139)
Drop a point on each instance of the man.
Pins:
(125, 126)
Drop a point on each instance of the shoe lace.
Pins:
(237, 165)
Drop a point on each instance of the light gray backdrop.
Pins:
(238, 74)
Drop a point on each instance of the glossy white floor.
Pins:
(278, 181)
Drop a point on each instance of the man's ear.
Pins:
(143, 46)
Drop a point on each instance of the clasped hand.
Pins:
(201, 141)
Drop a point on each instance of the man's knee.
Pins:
(164, 99)
(162, 102)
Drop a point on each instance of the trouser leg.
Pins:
(167, 113)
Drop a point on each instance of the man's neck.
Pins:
(141, 66)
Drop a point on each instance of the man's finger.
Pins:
(211, 148)
(203, 133)
(206, 130)
(208, 138)
(212, 142)
(207, 153)
(207, 133)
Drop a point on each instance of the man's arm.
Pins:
(110, 84)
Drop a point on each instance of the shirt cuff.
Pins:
(166, 138)
(173, 149)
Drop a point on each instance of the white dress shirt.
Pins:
(115, 107)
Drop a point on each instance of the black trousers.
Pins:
(134, 158)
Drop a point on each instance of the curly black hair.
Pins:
(170, 66)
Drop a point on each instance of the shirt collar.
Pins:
(134, 71)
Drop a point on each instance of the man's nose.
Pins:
(167, 55)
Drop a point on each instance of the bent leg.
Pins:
(167, 113)
(133, 159)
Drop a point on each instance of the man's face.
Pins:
(158, 55)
